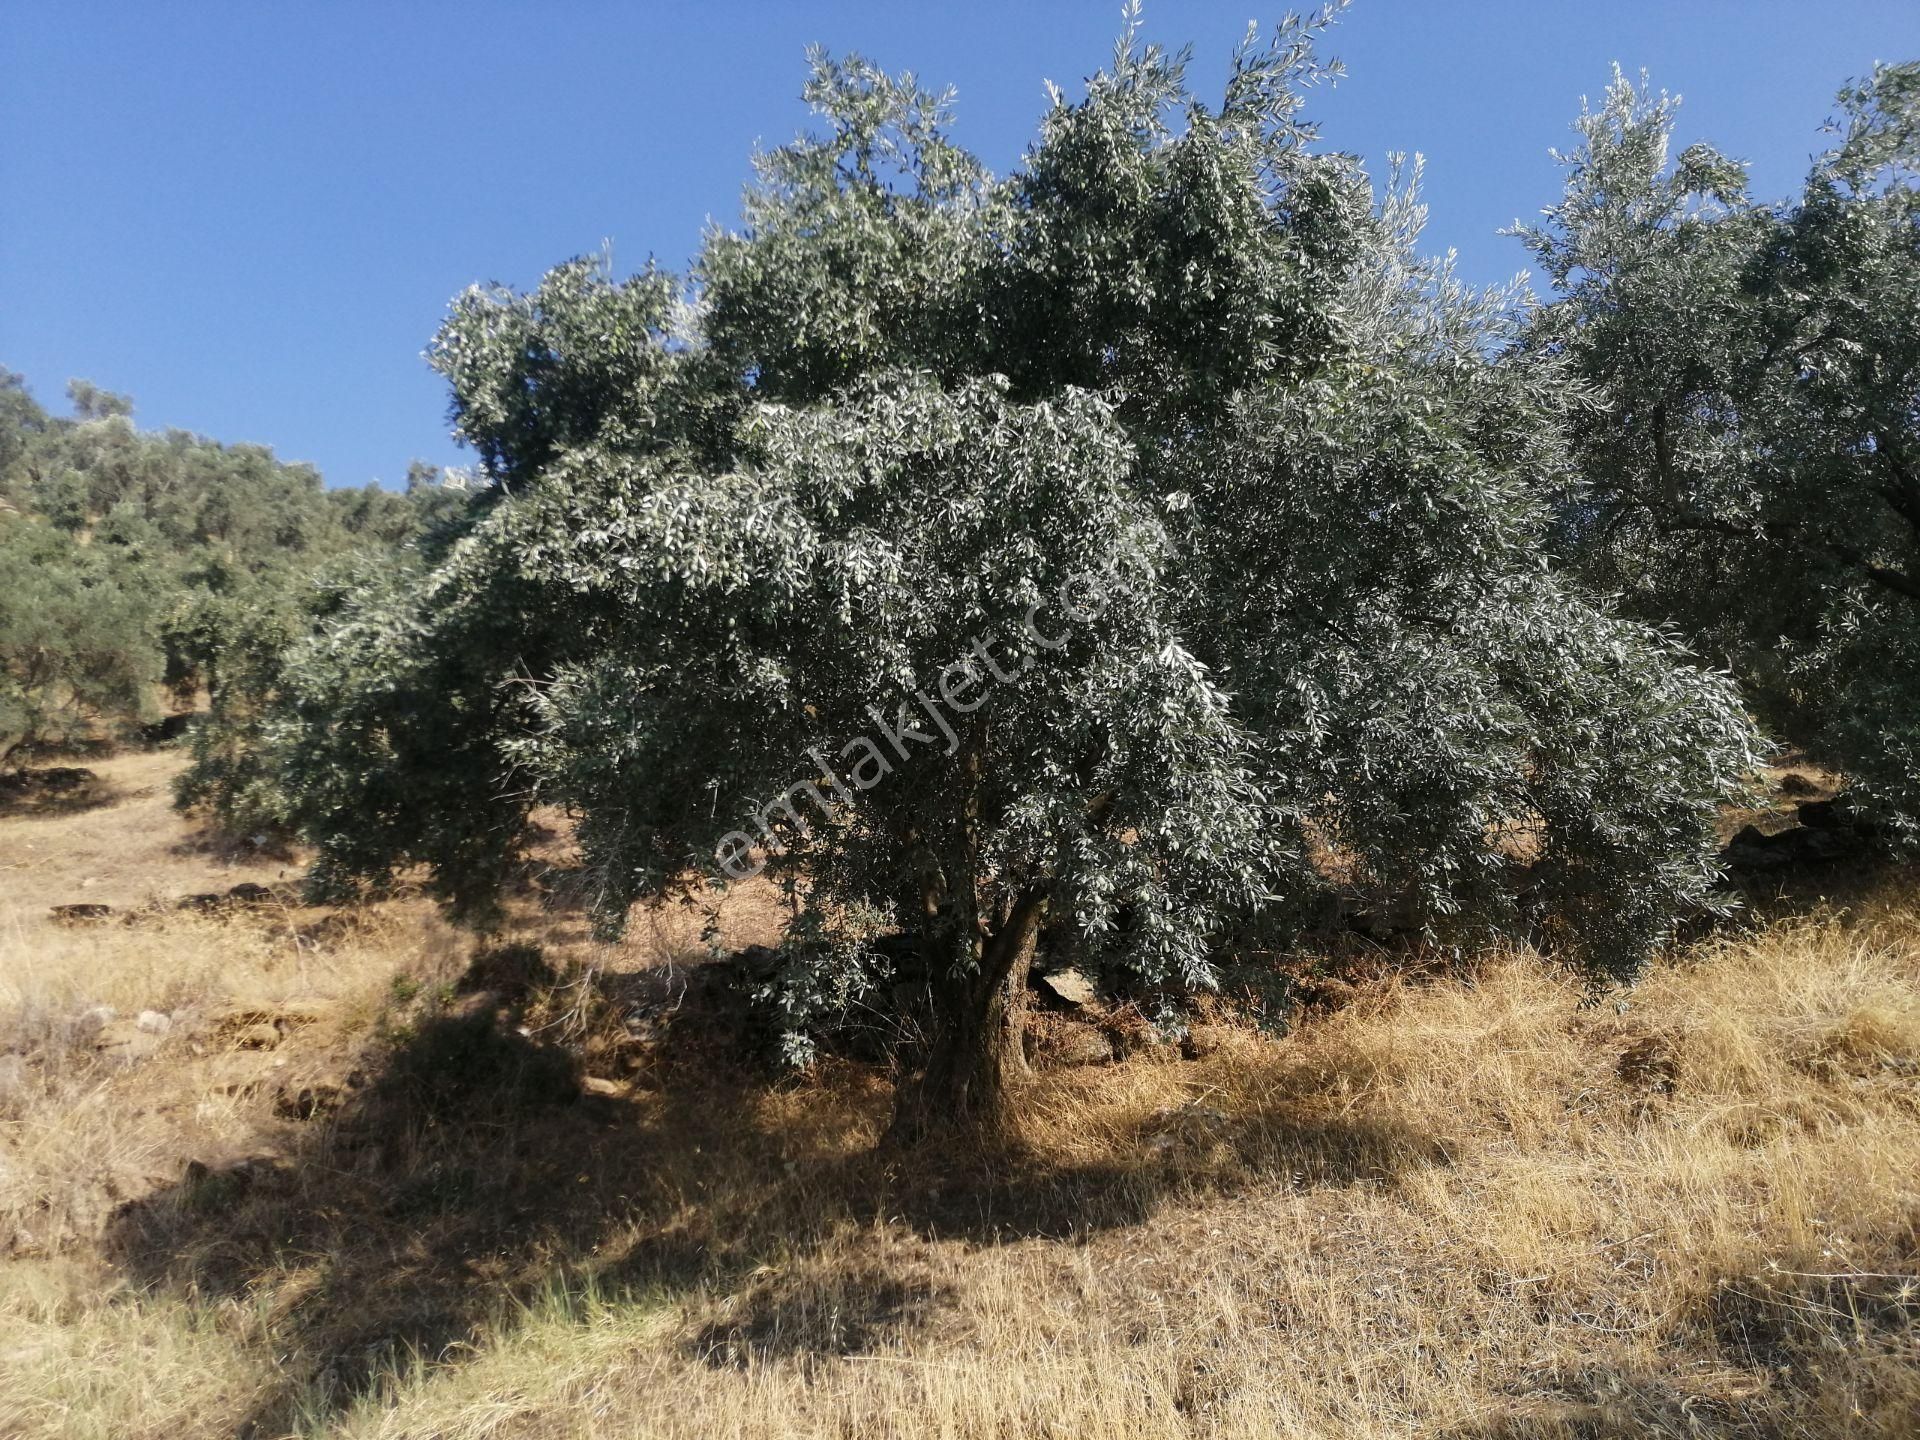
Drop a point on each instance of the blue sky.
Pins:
(251, 216)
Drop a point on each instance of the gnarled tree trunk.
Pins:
(958, 1089)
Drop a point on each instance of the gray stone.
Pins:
(125, 1040)
(1068, 987)
(1082, 1045)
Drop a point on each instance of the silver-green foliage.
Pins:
(1180, 359)
(1750, 466)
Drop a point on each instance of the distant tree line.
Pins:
(146, 573)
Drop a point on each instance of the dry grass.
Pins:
(1475, 1207)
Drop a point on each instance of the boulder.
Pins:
(125, 1040)
(1080, 1045)
(1068, 988)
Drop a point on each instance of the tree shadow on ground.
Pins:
(468, 1173)
(54, 790)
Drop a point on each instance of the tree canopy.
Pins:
(1146, 547)
(1749, 469)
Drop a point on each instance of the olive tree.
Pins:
(1749, 467)
(74, 653)
(1129, 547)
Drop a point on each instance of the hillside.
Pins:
(353, 1173)
(145, 574)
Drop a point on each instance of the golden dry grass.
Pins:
(1471, 1207)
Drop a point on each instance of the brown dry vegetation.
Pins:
(1475, 1206)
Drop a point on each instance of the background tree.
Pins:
(73, 648)
(154, 557)
(1751, 467)
(733, 535)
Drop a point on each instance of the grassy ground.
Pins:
(1472, 1207)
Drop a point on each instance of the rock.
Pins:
(1067, 987)
(81, 914)
(1081, 1045)
(154, 1022)
(125, 1040)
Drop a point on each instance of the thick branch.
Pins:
(1896, 581)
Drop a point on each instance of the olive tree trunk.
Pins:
(958, 1089)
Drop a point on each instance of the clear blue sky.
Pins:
(251, 216)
